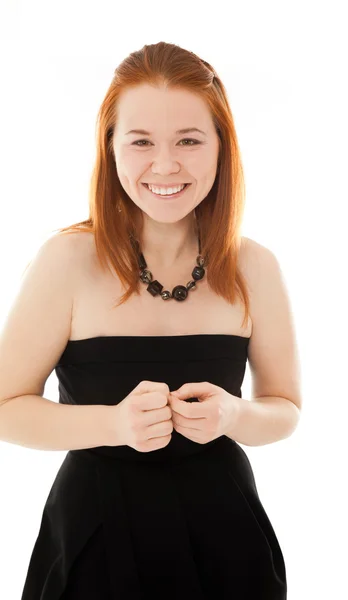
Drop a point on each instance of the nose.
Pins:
(165, 161)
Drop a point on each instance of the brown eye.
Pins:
(184, 140)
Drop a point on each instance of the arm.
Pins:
(274, 410)
(36, 422)
(32, 339)
(264, 420)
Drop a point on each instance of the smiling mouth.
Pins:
(186, 185)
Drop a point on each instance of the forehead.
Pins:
(152, 108)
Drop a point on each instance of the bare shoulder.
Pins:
(82, 245)
(251, 256)
(273, 352)
(263, 271)
(37, 327)
(61, 246)
(74, 243)
(76, 248)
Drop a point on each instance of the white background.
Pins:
(284, 70)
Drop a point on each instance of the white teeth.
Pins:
(164, 191)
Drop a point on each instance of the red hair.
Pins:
(219, 215)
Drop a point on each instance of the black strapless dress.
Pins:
(182, 522)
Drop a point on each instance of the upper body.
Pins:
(64, 296)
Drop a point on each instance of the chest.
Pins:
(203, 311)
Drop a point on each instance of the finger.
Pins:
(187, 423)
(188, 433)
(198, 389)
(190, 410)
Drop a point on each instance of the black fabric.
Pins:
(184, 521)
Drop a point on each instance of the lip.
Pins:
(168, 197)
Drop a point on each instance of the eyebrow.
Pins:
(180, 131)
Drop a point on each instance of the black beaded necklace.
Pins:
(179, 292)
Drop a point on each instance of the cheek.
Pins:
(201, 165)
(127, 171)
(133, 166)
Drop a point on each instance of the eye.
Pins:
(184, 140)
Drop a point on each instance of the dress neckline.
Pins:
(159, 337)
(155, 348)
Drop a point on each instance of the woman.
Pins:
(155, 498)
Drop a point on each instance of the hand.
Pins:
(216, 412)
(143, 419)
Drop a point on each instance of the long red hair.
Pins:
(218, 216)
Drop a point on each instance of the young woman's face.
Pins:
(164, 156)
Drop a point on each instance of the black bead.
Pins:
(142, 262)
(198, 273)
(154, 288)
(166, 295)
(179, 292)
(146, 276)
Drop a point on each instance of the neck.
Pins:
(167, 245)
